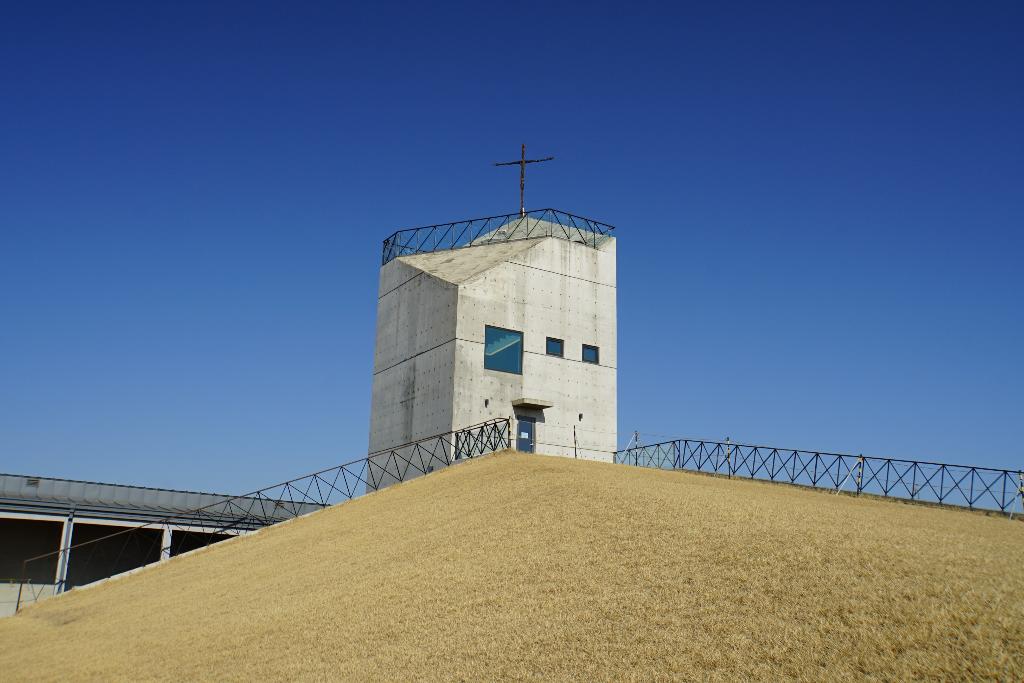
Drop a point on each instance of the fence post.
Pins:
(1020, 493)
(970, 493)
(24, 573)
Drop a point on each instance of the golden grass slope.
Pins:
(516, 566)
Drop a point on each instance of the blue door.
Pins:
(524, 440)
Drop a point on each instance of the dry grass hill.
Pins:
(516, 566)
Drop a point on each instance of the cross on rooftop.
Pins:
(523, 161)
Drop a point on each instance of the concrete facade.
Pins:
(433, 308)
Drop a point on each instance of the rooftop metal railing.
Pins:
(513, 226)
(932, 482)
(100, 558)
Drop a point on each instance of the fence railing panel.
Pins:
(115, 553)
(946, 484)
(513, 226)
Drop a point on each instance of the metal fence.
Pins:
(934, 482)
(112, 554)
(513, 226)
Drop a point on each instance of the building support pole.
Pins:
(64, 558)
(165, 545)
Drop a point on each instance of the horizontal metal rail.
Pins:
(476, 231)
(941, 483)
(100, 558)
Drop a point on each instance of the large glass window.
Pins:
(555, 347)
(591, 354)
(503, 350)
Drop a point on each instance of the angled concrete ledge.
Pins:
(531, 403)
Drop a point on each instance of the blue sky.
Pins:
(819, 213)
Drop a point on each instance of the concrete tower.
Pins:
(512, 316)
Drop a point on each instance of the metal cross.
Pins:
(523, 161)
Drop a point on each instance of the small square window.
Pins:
(555, 347)
(590, 354)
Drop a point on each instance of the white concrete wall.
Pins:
(414, 357)
(429, 374)
(556, 289)
(30, 593)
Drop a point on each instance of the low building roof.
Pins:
(58, 497)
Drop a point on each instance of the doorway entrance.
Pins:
(524, 437)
